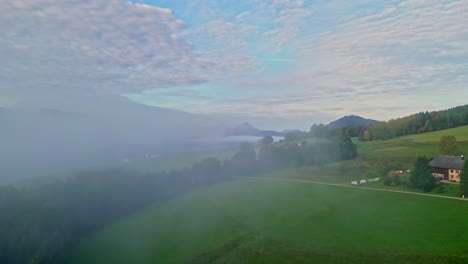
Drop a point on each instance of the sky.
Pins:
(281, 63)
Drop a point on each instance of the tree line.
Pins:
(318, 131)
(41, 224)
(417, 123)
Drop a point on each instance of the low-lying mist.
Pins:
(43, 141)
(65, 211)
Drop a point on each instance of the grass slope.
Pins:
(259, 219)
(406, 149)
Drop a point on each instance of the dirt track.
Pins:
(362, 187)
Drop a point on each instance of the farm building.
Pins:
(447, 168)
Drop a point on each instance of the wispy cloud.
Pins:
(52, 50)
(287, 25)
(412, 45)
(284, 58)
(224, 44)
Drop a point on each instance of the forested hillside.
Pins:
(413, 124)
(417, 123)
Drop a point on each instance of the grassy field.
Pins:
(449, 189)
(337, 172)
(265, 221)
(406, 149)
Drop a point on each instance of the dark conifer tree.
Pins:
(464, 180)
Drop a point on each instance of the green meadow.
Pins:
(260, 220)
(407, 148)
(255, 220)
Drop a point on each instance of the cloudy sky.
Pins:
(287, 62)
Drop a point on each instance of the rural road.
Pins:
(359, 187)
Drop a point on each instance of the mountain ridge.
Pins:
(350, 120)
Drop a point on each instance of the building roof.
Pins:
(448, 162)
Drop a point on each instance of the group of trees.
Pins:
(413, 124)
(394, 178)
(319, 131)
(291, 154)
(40, 224)
(421, 176)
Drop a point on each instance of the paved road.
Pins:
(362, 187)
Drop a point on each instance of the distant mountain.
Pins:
(246, 129)
(351, 120)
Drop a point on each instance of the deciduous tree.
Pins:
(266, 140)
(366, 136)
(448, 145)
